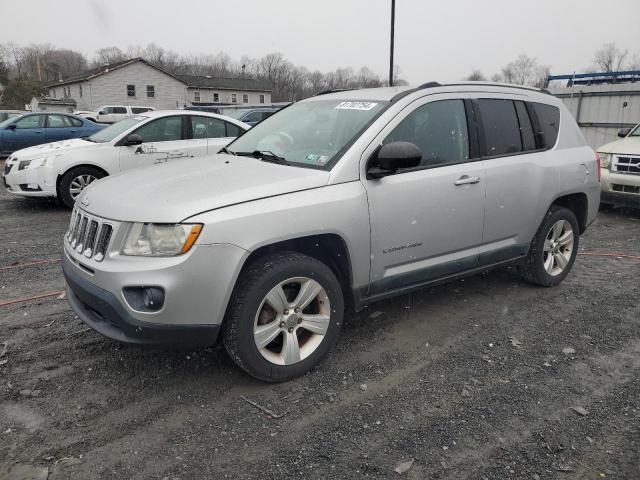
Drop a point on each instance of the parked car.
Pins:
(252, 116)
(36, 128)
(339, 200)
(5, 114)
(64, 169)
(113, 113)
(621, 168)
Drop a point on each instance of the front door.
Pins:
(426, 222)
(163, 140)
(29, 131)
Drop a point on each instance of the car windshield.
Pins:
(112, 131)
(309, 133)
(7, 122)
(238, 114)
(636, 131)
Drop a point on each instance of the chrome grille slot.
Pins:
(624, 164)
(91, 238)
(82, 233)
(103, 241)
(76, 228)
(71, 224)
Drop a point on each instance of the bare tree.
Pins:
(634, 63)
(108, 55)
(524, 70)
(609, 58)
(476, 75)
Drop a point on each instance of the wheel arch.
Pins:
(578, 203)
(61, 175)
(329, 248)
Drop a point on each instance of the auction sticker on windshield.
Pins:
(355, 105)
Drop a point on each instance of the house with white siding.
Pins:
(141, 83)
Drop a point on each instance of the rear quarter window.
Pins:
(549, 120)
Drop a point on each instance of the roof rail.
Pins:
(400, 95)
(335, 90)
(499, 84)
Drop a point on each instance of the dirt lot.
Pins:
(475, 379)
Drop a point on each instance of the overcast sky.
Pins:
(435, 40)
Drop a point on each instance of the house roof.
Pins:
(202, 81)
(56, 101)
(192, 81)
(95, 72)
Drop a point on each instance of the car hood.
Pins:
(55, 148)
(171, 192)
(626, 146)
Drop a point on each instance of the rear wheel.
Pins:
(75, 181)
(553, 249)
(284, 315)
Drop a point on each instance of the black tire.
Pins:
(64, 192)
(253, 285)
(533, 269)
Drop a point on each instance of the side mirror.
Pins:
(11, 127)
(133, 139)
(623, 132)
(101, 112)
(393, 157)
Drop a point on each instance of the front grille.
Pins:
(626, 189)
(626, 164)
(89, 235)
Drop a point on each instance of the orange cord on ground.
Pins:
(29, 299)
(30, 264)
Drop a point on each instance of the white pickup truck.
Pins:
(112, 113)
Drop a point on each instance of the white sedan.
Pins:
(63, 169)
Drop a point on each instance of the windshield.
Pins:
(636, 131)
(9, 120)
(309, 133)
(112, 131)
(238, 114)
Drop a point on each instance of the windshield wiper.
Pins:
(265, 156)
(226, 150)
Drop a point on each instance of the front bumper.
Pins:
(620, 188)
(197, 287)
(30, 182)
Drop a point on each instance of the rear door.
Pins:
(426, 222)
(30, 130)
(163, 139)
(521, 176)
(59, 127)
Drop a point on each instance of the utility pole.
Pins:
(393, 21)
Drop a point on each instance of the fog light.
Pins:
(144, 299)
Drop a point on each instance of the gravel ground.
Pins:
(486, 378)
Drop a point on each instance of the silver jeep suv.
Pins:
(334, 202)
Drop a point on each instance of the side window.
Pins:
(119, 110)
(549, 119)
(107, 110)
(501, 128)
(526, 129)
(32, 121)
(439, 129)
(139, 109)
(75, 122)
(164, 129)
(205, 127)
(232, 130)
(56, 121)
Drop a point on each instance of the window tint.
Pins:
(162, 130)
(57, 121)
(549, 119)
(121, 110)
(205, 127)
(232, 130)
(501, 129)
(139, 109)
(439, 129)
(75, 122)
(526, 129)
(32, 121)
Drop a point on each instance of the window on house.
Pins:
(131, 90)
(80, 89)
(196, 96)
(151, 91)
(245, 98)
(216, 97)
(261, 98)
(234, 98)
(54, 93)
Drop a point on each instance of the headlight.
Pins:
(605, 160)
(36, 162)
(159, 239)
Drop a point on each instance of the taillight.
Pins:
(599, 165)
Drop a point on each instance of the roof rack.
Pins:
(482, 84)
(335, 90)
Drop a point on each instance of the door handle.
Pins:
(466, 180)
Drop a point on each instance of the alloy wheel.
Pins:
(558, 247)
(292, 320)
(79, 183)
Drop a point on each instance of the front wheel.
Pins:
(75, 181)
(284, 315)
(553, 249)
